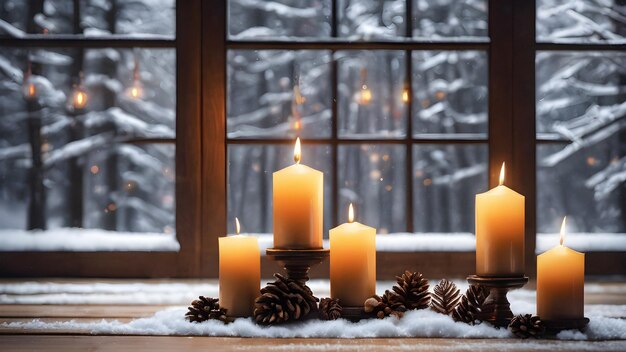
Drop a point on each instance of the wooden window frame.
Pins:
(201, 144)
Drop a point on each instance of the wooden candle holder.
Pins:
(497, 309)
(298, 262)
(355, 313)
(553, 327)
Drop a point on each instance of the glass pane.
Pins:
(279, 94)
(581, 21)
(586, 182)
(450, 94)
(371, 19)
(279, 19)
(131, 188)
(250, 169)
(446, 178)
(579, 94)
(97, 17)
(373, 178)
(450, 20)
(371, 87)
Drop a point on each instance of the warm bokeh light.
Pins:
(350, 213)
(297, 125)
(405, 95)
(135, 91)
(31, 90)
(94, 169)
(297, 152)
(237, 226)
(562, 239)
(365, 96)
(502, 174)
(79, 99)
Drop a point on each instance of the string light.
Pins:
(29, 89)
(79, 95)
(135, 91)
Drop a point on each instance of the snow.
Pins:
(85, 240)
(585, 242)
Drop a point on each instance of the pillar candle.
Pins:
(240, 273)
(298, 206)
(500, 231)
(352, 262)
(560, 282)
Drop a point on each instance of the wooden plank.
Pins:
(219, 344)
(77, 311)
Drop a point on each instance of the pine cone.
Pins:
(412, 290)
(283, 300)
(468, 311)
(384, 306)
(445, 297)
(205, 308)
(330, 309)
(526, 326)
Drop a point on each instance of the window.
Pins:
(581, 103)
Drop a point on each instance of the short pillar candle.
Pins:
(298, 206)
(561, 282)
(240, 273)
(500, 232)
(352, 262)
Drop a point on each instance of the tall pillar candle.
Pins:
(352, 262)
(240, 274)
(560, 282)
(298, 205)
(500, 231)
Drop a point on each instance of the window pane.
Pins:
(450, 20)
(373, 178)
(446, 179)
(581, 21)
(450, 94)
(279, 19)
(371, 19)
(278, 94)
(97, 17)
(131, 188)
(250, 169)
(579, 94)
(370, 101)
(584, 181)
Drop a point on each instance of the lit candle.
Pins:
(560, 282)
(298, 205)
(352, 262)
(240, 273)
(500, 231)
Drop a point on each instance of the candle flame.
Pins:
(237, 226)
(366, 95)
(563, 230)
(297, 152)
(502, 174)
(350, 213)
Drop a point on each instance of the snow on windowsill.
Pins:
(92, 240)
(86, 240)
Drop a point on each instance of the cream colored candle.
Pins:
(298, 206)
(500, 231)
(240, 273)
(560, 282)
(352, 262)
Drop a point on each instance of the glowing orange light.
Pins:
(502, 174)
(405, 95)
(237, 226)
(31, 90)
(94, 169)
(350, 213)
(80, 99)
(562, 239)
(297, 152)
(365, 96)
(297, 125)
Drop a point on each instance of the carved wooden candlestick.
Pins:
(497, 309)
(298, 262)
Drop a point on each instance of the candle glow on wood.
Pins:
(561, 282)
(298, 205)
(240, 273)
(352, 262)
(500, 231)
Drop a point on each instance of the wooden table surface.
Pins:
(12, 339)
